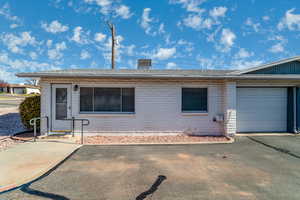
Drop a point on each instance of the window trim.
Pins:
(106, 112)
(195, 112)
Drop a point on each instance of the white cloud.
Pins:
(84, 55)
(99, 37)
(172, 65)
(12, 26)
(226, 40)
(277, 48)
(114, 7)
(255, 26)
(190, 5)
(6, 75)
(130, 50)
(218, 12)
(164, 53)
(161, 29)
(55, 53)
(79, 36)
(49, 43)
(123, 11)
(193, 21)
(120, 49)
(105, 5)
(266, 18)
(290, 21)
(243, 53)
(280, 43)
(214, 62)
(20, 65)
(146, 20)
(54, 27)
(33, 55)
(242, 64)
(5, 11)
(15, 43)
(94, 65)
(198, 22)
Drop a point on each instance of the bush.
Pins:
(30, 108)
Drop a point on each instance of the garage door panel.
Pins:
(261, 109)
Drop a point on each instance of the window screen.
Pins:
(194, 100)
(106, 99)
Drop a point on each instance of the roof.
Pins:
(23, 86)
(155, 73)
(128, 73)
(239, 72)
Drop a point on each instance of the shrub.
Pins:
(30, 108)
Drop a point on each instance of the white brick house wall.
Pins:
(230, 108)
(157, 109)
(45, 105)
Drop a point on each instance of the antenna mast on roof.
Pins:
(113, 33)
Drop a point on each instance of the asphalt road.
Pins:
(248, 169)
(10, 122)
(9, 101)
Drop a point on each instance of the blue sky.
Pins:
(176, 34)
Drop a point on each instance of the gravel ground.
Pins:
(6, 142)
(10, 122)
(150, 139)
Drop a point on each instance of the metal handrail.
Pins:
(32, 122)
(73, 119)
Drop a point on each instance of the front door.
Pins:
(61, 107)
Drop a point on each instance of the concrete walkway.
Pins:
(25, 162)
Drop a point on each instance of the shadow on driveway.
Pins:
(153, 188)
(245, 169)
(28, 190)
(289, 145)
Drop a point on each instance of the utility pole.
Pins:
(113, 33)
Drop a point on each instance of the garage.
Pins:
(261, 110)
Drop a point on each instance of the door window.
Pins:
(61, 104)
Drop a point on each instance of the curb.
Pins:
(39, 175)
(265, 134)
(230, 141)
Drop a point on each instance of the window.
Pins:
(106, 99)
(194, 100)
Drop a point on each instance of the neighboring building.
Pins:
(20, 89)
(156, 102)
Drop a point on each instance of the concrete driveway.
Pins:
(247, 169)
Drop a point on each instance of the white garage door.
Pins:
(261, 109)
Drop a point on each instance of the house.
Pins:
(157, 102)
(20, 89)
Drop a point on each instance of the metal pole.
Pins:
(73, 126)
(34, 131)
(113, 47)
(113, 33)
(81, 131)
(47, 125)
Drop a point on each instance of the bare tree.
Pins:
(3, 83)
(34, 82)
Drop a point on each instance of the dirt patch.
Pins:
(151, 139)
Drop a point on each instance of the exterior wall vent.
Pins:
(144, 64)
